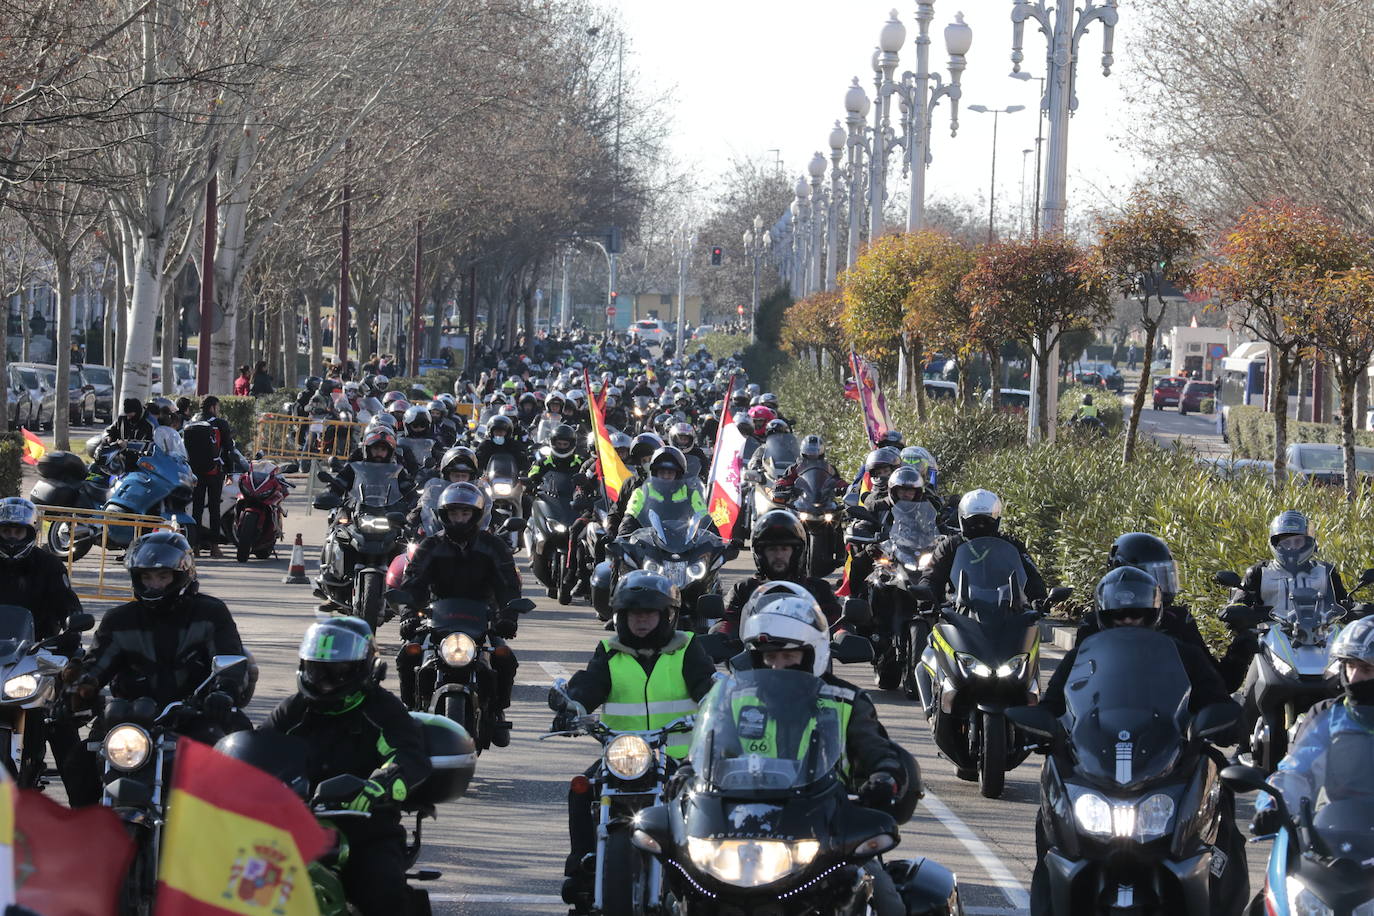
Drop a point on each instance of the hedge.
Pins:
(11, 468)
(1109, 409)
(1251, 433)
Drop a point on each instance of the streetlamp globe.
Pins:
(767, 240)
(758, 224)
(837, 138)
(748, 239)
(796, 210)
(958, 36)
(816, 168)
(893, 35)
(856, 100)
(803, 189)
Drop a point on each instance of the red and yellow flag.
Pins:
(33, 447)
(68, 862)
(612, 470)
(237, 841)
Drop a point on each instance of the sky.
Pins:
(766, 78)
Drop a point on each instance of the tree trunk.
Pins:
(1279, 401)
(274, 347)
(915, 360)
(313, 299)
(144, 305)
(365, 307)
(1041, 356)
(1347, 382)
(25, 316)
(290, 325)
(61, 428)
(169, 340)
(995, 375)
(1138, 402)
(1361, 398)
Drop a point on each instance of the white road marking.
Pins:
(998, 873)
(554, 672)
(528, 899)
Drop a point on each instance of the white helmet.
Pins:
(788, 622)
(772, 590)
(980, 513)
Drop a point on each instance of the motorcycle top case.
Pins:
(65, 466)
(453, 756)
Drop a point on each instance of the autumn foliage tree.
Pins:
(1036, 290)
(1151, 244)
(938, 312)
(814, 325)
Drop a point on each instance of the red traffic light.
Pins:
(716, 253)
(739, 309)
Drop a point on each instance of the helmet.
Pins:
(575, 397)
(312, 384)
(352, 389)
(335, 661)
(643, 447)
(668, 456)
(621, 442)
(459, 495)
(743, 423)
(392, 397)
(161, 550)
(1147, 552)
(980, 513)
(776, 428)
(787, 621)
(382, 419)
(378, 434)
(779, 528)
(1355, 643)
(880, 458)
(1087, 399)
(18, 512)
(753, 391)
(1291, 540)
(458, 458)
(554, 402)
(528, 400)
(892, 438)
(760, 416)
(905, 478)
(813, 446)
(565, 436)
(417, 421)
(770, 400)
(644, 591)
(932, 468)
(682, 435)
(499, 427)
(1128, 592)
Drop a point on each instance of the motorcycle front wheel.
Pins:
(623, 876)
(992, 762)
(367, 604)
(566, 575)
(245, 535)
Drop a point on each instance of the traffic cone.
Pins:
(295, 574)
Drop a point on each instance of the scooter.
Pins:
(550, 525)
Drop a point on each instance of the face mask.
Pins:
(498, 440)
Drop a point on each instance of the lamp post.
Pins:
(1062, 32)
(919, 101)
(801, 236)
(816, 169)
(1039, 142)
(856, 106)
(686, 241)
(992, 183)
(1021, 222)
(890, 41)
(757, 241)
(832, 233)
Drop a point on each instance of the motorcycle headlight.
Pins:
(1014, 667)
(343, 518)
(457, 650)
(972, 665)
(750, 863)
(1142, 821)
(1093, 814)
(911, 567)
(829, 516)
(127, 747)
(696, 570)
(628, 756)
(926, 559)
(806, 516)
(1153, 817)
(1281, 664)
(502, 489)
(1302, 902)
(375, 524)
(21, 687)
(651, 567)
(559, 527)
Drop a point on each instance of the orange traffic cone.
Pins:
(295, 574)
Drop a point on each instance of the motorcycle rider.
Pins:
(643, 447)
(379, 447)
(812, 455)
(459, 465)
(501, 440)
(647, 665)
(669, 465)
(132, 424)
(907, 484)
(464, 562)
(418, 426)
(778, 544)
(1294, 565)
(353, 726)
(877, 467)
(158, 645)
(684, 438)
(1086, 411)
(980, 515)
(562, 457)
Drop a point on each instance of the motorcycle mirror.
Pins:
(378, 671)
(1214, 720)
(709, 607)
(520, 606)
(1035, 720)
(512, 525)
(1253, 779)
(860, 513)
(858, 612)
(851, 649)
(258, 455)
(720, 647)
(324, 477)
(1227, 578)
(339, 789)
(222, 663)
(1058, 595)
(327, 501)
(1366, 578)
(335, 464)
(80, 623)
(398, 596)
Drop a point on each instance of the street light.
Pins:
(756, 244)
(992, 184)
(1039, 141)
(890, 41)
(856, 106)
(1021, 222)
(816, 169)
(832, 233)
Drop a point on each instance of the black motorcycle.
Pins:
(983, 657)
(550, 526)
(764, 824)
(1131, 798)
(812, 498)
(900, 630)
(454, 677)
(366, 532)
(34, 698)
(589, 547)
(507, 495)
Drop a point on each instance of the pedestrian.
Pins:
(262, 380)
(209, 447)
(241, 384)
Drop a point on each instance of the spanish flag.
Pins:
(613, 472)
(33, 447)
(236, 841)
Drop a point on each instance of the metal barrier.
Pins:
(92, 527)
(282, 437)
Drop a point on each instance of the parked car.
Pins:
(20, 405)
(42, 398)
(702, 330)
(1090, 378)
(1015, 400)
(1194, 393)
(101, 380)
(1168, 390)
(649, 331)
(1237, 468)
(185, 377)
(1322, 463)
(80, 396)
(941, 390)
(1111, 378)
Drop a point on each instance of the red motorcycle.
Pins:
(258, 511)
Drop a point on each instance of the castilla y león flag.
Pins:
(871, 400)
(236, 841)
(727, 472)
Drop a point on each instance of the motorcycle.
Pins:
(813, 500)
(364, 536)
(416, 453)
(507, 494)
(767, 827)
(33, 697)
(780, 452)
(588, 548)
(983, 657)
(283, 757)
(258, 511)
(1131, 797)
(901, 631)
(632, 775)
(1289, 674)
(454, 677)
(550, 523)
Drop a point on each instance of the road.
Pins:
(501, 848)
(1168, 427)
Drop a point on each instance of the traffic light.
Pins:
(614, 295)
(716, 254)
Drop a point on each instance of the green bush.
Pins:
(242, 416)
(1208, 406)
(1251, 432)
(11, 471)
(1109, 409)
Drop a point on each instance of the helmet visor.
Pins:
(1165, 573)
(332, 644)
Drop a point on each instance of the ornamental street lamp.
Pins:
(837, 138)
(816, 169)
(890, 41)
(856, 106)
(992, 184)
(757, 241)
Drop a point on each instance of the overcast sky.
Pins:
(748, 77)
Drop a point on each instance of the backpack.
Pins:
(202, 446)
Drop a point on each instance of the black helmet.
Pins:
(379, 435)
(882, 458)
(644, 591)
(779, 528)
(776, 428)
(335, 662)
(643, 448)
(18, 512)
(500, 425)
(161, 550)
(462, 495)
(312, 384)
(906, 477)
(458, 458)
(813, 446)
(563, 441)
(1087, 399)
(1147, 552)
(669, 456)
(1128, 592)
(1355, 643)
(892, 438)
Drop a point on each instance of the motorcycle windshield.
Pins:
(460, 615)
(813, 490)
(988, 577)
(668, 512)
(914, 528)
(780, 451)
(765, 730)
(375, 485)
(501, 467)
(1343, 824)
(16, 629)
(261, 474)
(429, 506)
(284, 757)
(544, 431)
(1309, 615)
(1126, 704)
